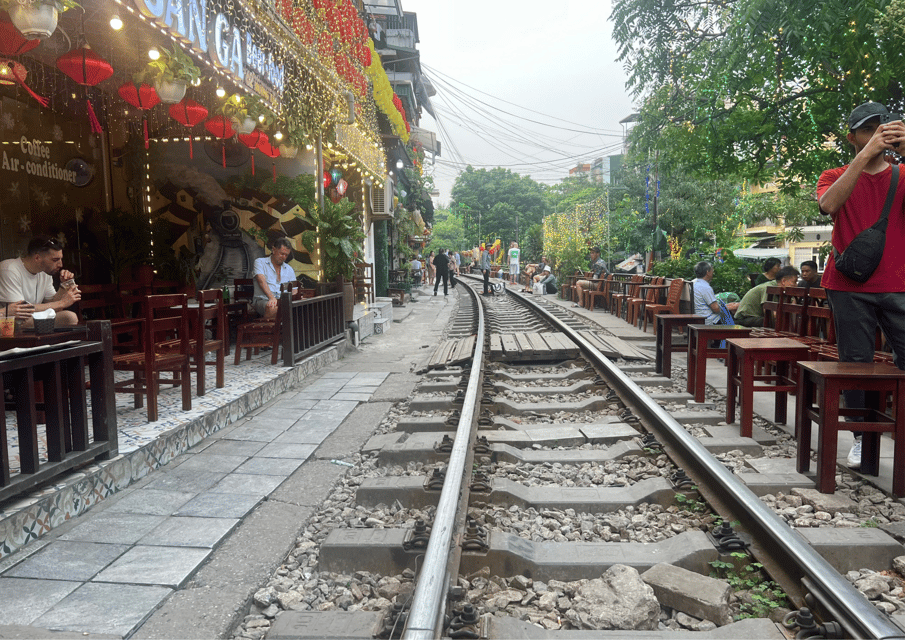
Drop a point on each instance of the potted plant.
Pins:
(170, 74)
(294, 138)
(340, 241)
(36, 18)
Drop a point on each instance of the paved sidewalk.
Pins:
(179, 553)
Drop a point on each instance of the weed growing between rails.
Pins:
(757, 595)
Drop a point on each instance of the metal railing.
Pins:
(310, 324)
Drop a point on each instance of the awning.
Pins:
(761, 254)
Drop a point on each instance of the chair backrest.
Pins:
(653, 294)
(674, 293)
(819, 322)
(99, 301)
(245, 289)
(606, 284)
(634, 287)
(166, 318)
(210, 309)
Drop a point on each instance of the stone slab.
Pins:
(506, 453)
(830, 502)
(411, 425)
(185, 480)
(164, 566)
(446, 388)
(691, 593)
(576, 387)
(759, 434)
(521, 424)
(26, 599)
(762, 484)
(314, 625)
(652, 381)
(151, 502)
(303, 432)
(190, 531)
(270, 466)
(723, 445)
(410, 492)
(249, 484)
(432, 403)
(381, 440)
(213, 462)
(750, 629)
(104, 608)
(772, 465)
(853, 549)
(113, 527)
(68, 560)
(664, 398)
(287, 450)
(567, 561)
(608, 434)
(396, 388)
(245, 448)
(219, 505)
(699, 417)
(376, 550)
(504, 405)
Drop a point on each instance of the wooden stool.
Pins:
(666, 324)
(699, 351)
(820, 385)
(744, 355)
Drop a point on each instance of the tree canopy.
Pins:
(497, 203)
(757, 88)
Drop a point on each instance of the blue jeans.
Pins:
(856, 316)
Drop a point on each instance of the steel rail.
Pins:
(854, 612)
(424, 620)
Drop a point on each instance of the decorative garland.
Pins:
(385, 98)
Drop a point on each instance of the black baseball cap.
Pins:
(864, 112)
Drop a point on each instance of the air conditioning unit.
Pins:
(382, 201)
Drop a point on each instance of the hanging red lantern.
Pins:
(271, 152)
(12, 42)
(335, 196)
(328, 179)
(88, 69)
(220, 127)
(142, 97)
(188, 113)
(252, 140)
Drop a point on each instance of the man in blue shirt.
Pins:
(270, 272)
(705, 302)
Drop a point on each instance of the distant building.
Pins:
(579, 170)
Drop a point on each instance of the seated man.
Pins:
(416, 271)
(809, 276)
(29, 279)
(750, 311)
(270, 272)
(705, 302)
(545, 282)
(771, 267)
(598, 269)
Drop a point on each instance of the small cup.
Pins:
(7, 327)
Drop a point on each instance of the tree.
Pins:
(497, 204)
(572, 191)
(447, 232)
(757, 88)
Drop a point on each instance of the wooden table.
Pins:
(699, 351)
(28, 338)
(61, 371)
(744, 355)
(666, 324)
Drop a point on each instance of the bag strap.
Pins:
(880, 225)
(890, 196)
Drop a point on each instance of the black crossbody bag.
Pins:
(863, 254)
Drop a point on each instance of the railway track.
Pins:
(535, 488)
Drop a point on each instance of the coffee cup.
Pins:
(7, 327)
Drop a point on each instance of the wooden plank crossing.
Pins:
(532, 346)
(451, 353)
(613, 347)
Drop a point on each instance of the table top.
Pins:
(28, 337)
(665, 317)
(830, 368)
(718, 327)
(767, 343)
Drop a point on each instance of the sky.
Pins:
(498, 65)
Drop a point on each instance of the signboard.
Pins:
(227, 40)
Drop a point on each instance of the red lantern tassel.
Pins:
(191, 151)
(223, 147)
(252, 162)
(145, 122)
(21, 81)
(95, 123)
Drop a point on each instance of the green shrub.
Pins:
(729, 275)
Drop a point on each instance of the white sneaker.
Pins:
(854, 456)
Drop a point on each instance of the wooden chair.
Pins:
(647, 293)
(208, 316)
(567, 288)
(262, 333)
(363, 282)
(602, 291)
(630, 290)
(673, 297)
(147, 364)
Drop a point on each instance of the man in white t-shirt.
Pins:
(29, 280)
(514, 252)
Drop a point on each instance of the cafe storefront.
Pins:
(196, 130)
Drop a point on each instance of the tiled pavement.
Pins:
(109, 571)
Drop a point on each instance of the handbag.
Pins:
(863, 254)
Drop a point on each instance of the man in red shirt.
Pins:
(853, 196)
